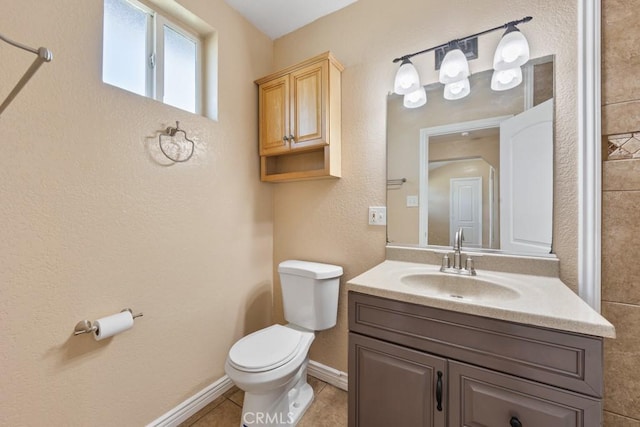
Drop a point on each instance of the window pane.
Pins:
(124, 53)
(179, 70)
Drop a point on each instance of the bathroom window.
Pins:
(146, 53)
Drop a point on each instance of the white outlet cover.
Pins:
(412, 201)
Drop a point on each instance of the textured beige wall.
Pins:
(620, 225)
(93, 220)
(327, 220)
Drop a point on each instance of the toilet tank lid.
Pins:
(314, 270)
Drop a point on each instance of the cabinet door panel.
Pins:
(394, 386)
(308, 107)
(274, 116)
(483, 398)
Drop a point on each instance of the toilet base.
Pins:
(301, 403)
(283, 407)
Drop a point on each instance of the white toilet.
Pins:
(270, 365)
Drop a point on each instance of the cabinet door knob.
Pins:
(291, 138)
(515, 422)
(285, 138)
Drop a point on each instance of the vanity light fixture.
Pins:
(506, 79)
(407, 78)
(454, 66)
(512, 52)
(457, 90)
(415, 99)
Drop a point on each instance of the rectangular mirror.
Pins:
(483, 163)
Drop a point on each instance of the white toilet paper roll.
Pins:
(111, 325)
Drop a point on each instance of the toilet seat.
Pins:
(265, 349)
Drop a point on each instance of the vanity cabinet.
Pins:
(299, 112)
(420, 366)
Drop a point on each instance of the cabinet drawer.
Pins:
(562, 359)
(482, 398)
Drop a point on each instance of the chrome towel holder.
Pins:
(44, 55)
(170, 134)
(396, 181)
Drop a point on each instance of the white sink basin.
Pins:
(469, 288)
(533, 300)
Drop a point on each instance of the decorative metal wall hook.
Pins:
(171, 133)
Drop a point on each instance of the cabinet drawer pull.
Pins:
(439, 392)
(515, 422)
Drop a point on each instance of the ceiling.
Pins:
(276, 18)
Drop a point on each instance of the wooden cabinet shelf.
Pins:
(299, 110)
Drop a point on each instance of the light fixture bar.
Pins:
(500, 27)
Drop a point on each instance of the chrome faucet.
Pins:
(457, 247)
(457, 268)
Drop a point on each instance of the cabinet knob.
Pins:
(291, 138)
(515, 422)
(285, 138)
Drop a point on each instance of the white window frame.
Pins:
(154, 77)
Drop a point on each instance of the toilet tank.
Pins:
(310, 293)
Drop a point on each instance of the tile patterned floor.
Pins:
(329, 409)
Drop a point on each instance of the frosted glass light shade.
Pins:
(457, 90)
(454, 67)
(407, 79)
(512, 51)
(506, 79)
(415, 99)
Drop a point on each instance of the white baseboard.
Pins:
(183, 411)
(328, 374)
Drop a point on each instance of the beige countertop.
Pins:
(532, 300)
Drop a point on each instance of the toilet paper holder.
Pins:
(86, 327)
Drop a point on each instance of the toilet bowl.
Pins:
(270, 365)
(272, 375)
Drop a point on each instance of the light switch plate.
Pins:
(377, 215)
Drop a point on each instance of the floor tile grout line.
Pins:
(238, 405)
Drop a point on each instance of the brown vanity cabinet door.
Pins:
(483, 398)
(394, 386)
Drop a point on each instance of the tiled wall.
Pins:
(621, 290)
(620, 202)
(623, 146)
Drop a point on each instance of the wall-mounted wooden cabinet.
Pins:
(299, 110)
